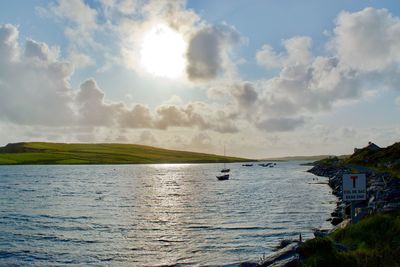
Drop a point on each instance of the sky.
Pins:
(263, 78)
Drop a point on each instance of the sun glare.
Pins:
(163, 52)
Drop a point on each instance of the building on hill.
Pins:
(370, 146)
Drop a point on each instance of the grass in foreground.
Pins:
(374, 241)
(61, 153)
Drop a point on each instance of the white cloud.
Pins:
(80, 60)
(297, 53)
(368, 40)
(39, 76)
(196, 114)
(78, 12)
(209, 47)
(9, 49)
(40, 51)
(33, 84)
(81, 25)
(365, 49)
(82, 20)
(267, 57)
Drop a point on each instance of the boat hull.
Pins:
(223, 177)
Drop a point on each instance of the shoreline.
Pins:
(286, 253)
(382, 197)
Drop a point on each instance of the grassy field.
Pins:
(374, 241)
(61, 153)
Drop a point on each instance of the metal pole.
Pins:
(353, 217)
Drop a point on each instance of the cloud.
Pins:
(33, 84)
(82, 19)
(208, 52)
(368, 40)
(209, 47)
(280, 124)
(37, 75)
(40, 51)
(267, 57)
(201, 142)
(365, 50)
(125, 7)
(80, 60)
(92, 108)
(245, 95)
(147, 138)
(297, 52)
(82, 27)
(9, 49)
(196, 114)
(397, 101)
(138, 117)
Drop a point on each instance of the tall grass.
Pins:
(374, 241)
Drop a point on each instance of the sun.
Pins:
(163, 51)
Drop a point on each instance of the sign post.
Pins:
(354, 189)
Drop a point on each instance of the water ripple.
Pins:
(153, 215)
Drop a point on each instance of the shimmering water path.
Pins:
(139, 215)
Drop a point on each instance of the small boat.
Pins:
(265, 164)
(223, 177)
(225, 169)
(247, 165)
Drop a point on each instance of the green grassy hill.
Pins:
(61, 153)
(383, 159)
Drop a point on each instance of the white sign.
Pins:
(354, 187)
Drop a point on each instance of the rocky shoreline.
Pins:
(383, 190)
(383, 195)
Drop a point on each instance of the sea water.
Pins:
(162, 214)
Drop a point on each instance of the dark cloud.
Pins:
(245, 95)
(207, 52)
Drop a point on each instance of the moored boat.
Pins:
(247, 165)
(223, 177)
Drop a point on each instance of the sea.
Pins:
(155, 215)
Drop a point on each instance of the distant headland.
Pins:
(74, 153)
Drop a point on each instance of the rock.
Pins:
(290, 262)
(336, 213)
(284, 243)
(248, 264)
(283, 256)
(336, 220)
